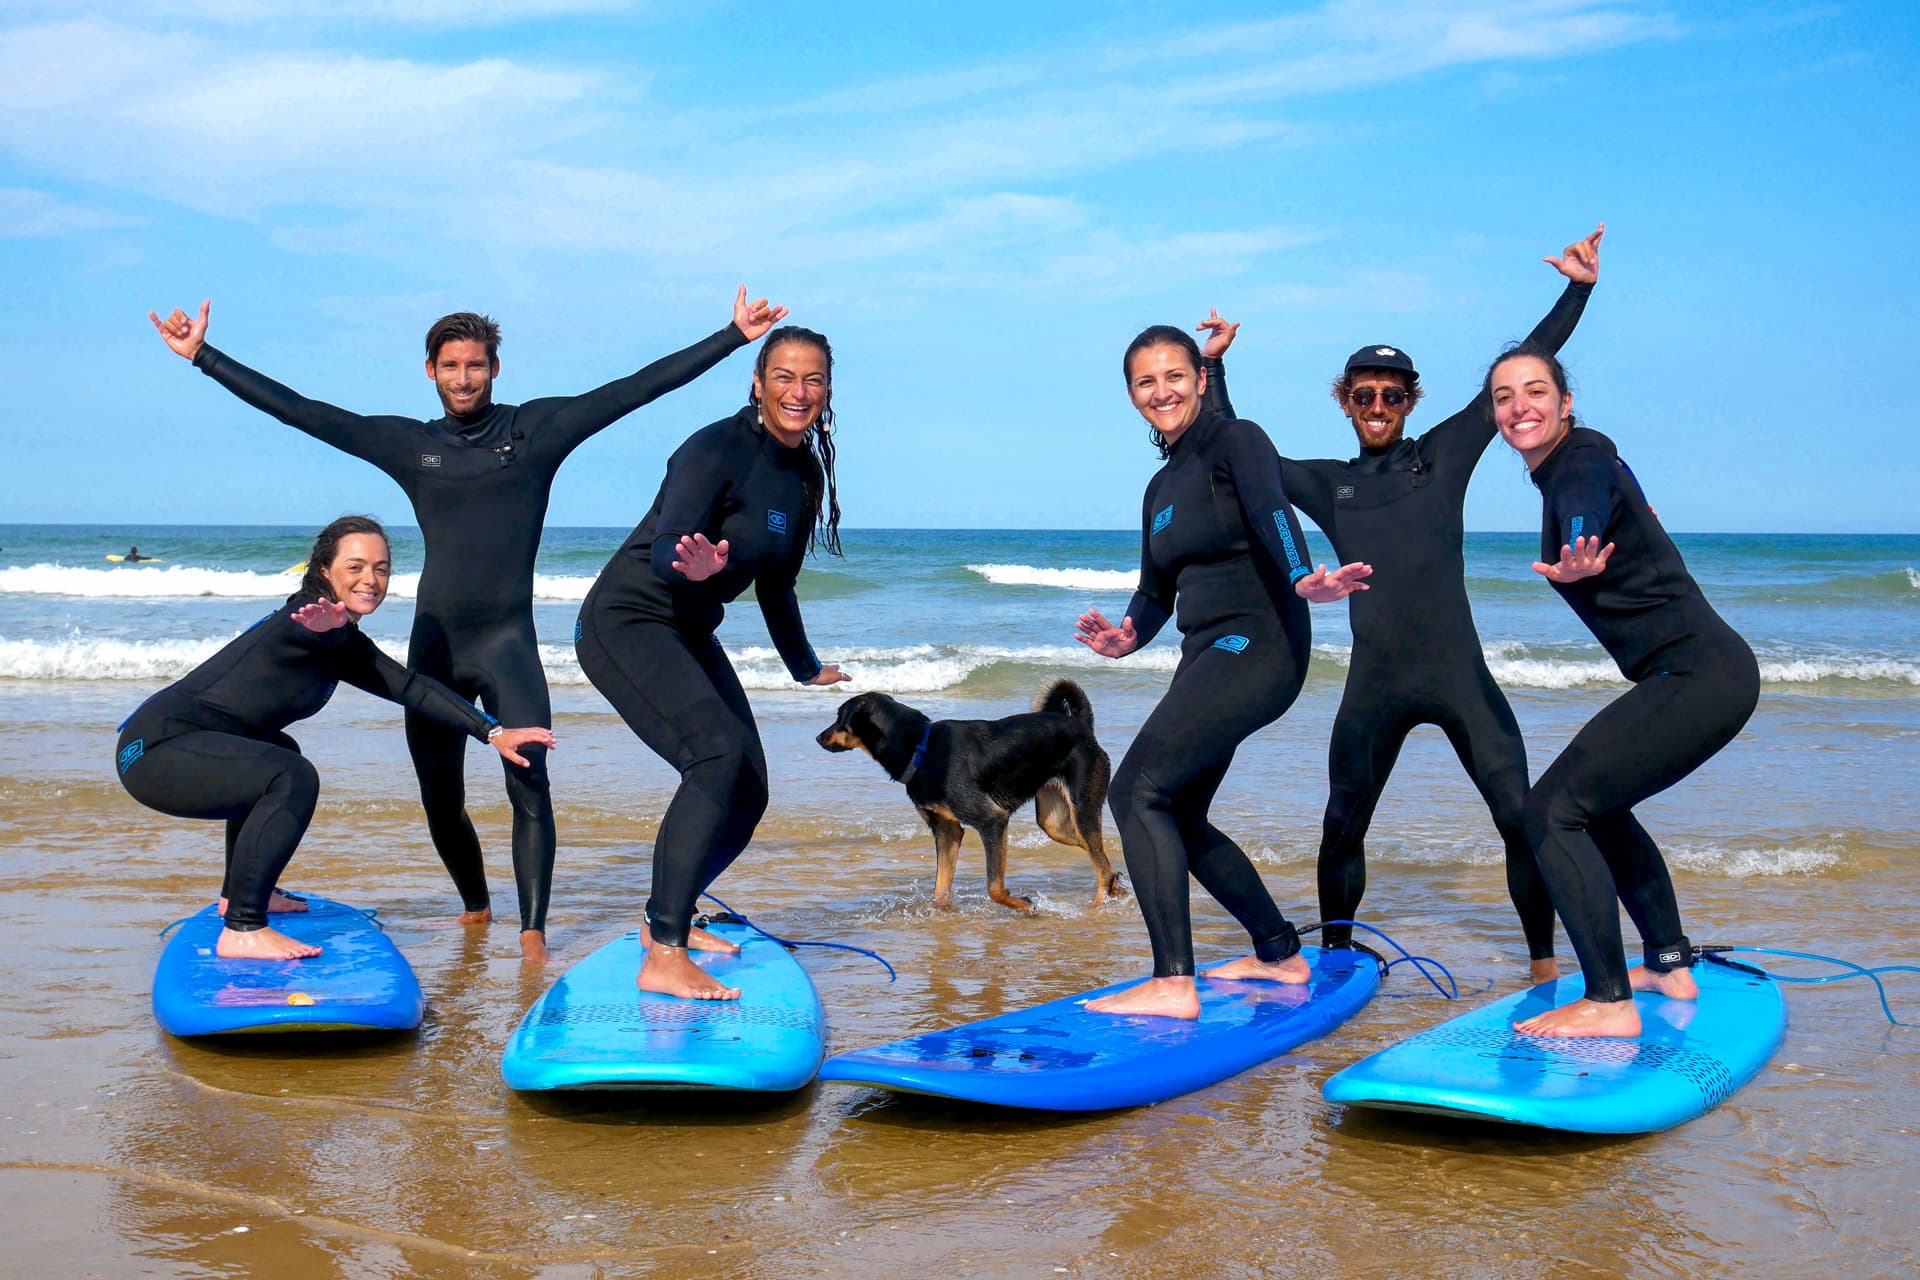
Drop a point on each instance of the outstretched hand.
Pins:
(1219, 334)
(698, 558)
(755, 318)
(186, 336)
(1580, 261)
(829, 675)
(1585, 558)
(1322, 587)
(322, 616)
(1105, 639)
(509, 741)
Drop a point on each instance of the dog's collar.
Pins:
(919, 754)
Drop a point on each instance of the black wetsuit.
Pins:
(1695, 685)
(479, 488)
(646, 640)
(210, 745)
(1217, 531)
(1416, 654)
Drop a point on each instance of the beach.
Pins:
(125, 1152)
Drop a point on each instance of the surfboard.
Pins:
(358, 982)
(1689, 1058)
(141, 560)
(1058, 1057)
(593, 1029)
(296, 568)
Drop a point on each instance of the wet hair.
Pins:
(327, 546)
(823, 488)
(1156, 335)
(464, 326)
(1526, 347)
(1343, 384)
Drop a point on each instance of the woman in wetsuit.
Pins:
(1221, 543)
(1695, 683)
(743, 502)
(211, 744)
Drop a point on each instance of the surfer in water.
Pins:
(1399, 506)
(133, 556)
(1695, 683)
(1220, 541)
(479, 478)
(744, 500)
(212, 744)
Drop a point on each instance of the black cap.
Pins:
(1381, 357)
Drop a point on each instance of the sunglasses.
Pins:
(1392, 397)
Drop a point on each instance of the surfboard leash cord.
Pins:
(1386, 966)
(1716, 954)
(791, 943)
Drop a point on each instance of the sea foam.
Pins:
(1026, 575)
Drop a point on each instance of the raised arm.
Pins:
(1213, 356)
(381, 441)
(576, 419)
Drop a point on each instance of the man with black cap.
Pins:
(1416, 655)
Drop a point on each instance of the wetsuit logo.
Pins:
(1579, 523)
(429, 459)
(1232, 644)
(579, 629)
(131, 752)
(1296, 570)
(1342, 492)
(776, 521)
(1163, 518)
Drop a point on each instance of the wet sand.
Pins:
(125, 1152)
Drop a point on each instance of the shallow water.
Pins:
(124, 1152)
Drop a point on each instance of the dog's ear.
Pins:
(882, 715)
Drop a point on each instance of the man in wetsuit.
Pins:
(1399, 506)
(479, 480)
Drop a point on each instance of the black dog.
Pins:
(977, 772)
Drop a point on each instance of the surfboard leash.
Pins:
(1386, 966)
(791, 943)
(1717, 955)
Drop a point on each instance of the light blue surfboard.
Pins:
(1059, 1057)
(1689, 1058)
(358, 982)
(594, 1029)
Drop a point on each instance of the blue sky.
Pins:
(980, 204)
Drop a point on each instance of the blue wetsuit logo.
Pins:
(1295, 570)
(1232, 644)
(1579, 522)
(132, 752)
(776, 521)
(1163, 518)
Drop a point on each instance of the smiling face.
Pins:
(463, 373)
(1376, 421)
(1165, 387)
(1531, 411)
(793, 390)
(362, 565)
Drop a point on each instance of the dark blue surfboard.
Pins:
(1059, 1057)
(1689, 1058)
(593, 1029)
(358, 982)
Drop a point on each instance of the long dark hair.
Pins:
(1155, 335)
(823, 488)
(327, 546)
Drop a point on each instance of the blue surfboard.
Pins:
(1059, 1057)
(594, 1029)
(358, 982)
(1690, 1056)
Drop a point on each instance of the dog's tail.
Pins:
(1065, 697)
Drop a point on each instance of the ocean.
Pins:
(132, 1153)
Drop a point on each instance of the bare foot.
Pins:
(533, 946)
(277, 903)
(670, 971)
(1294, 969)
(1539, 971)
(1675, 984)
(1584, 1018)
(698, 939)
(261, 944)
(1156, 998)
(483, 916)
